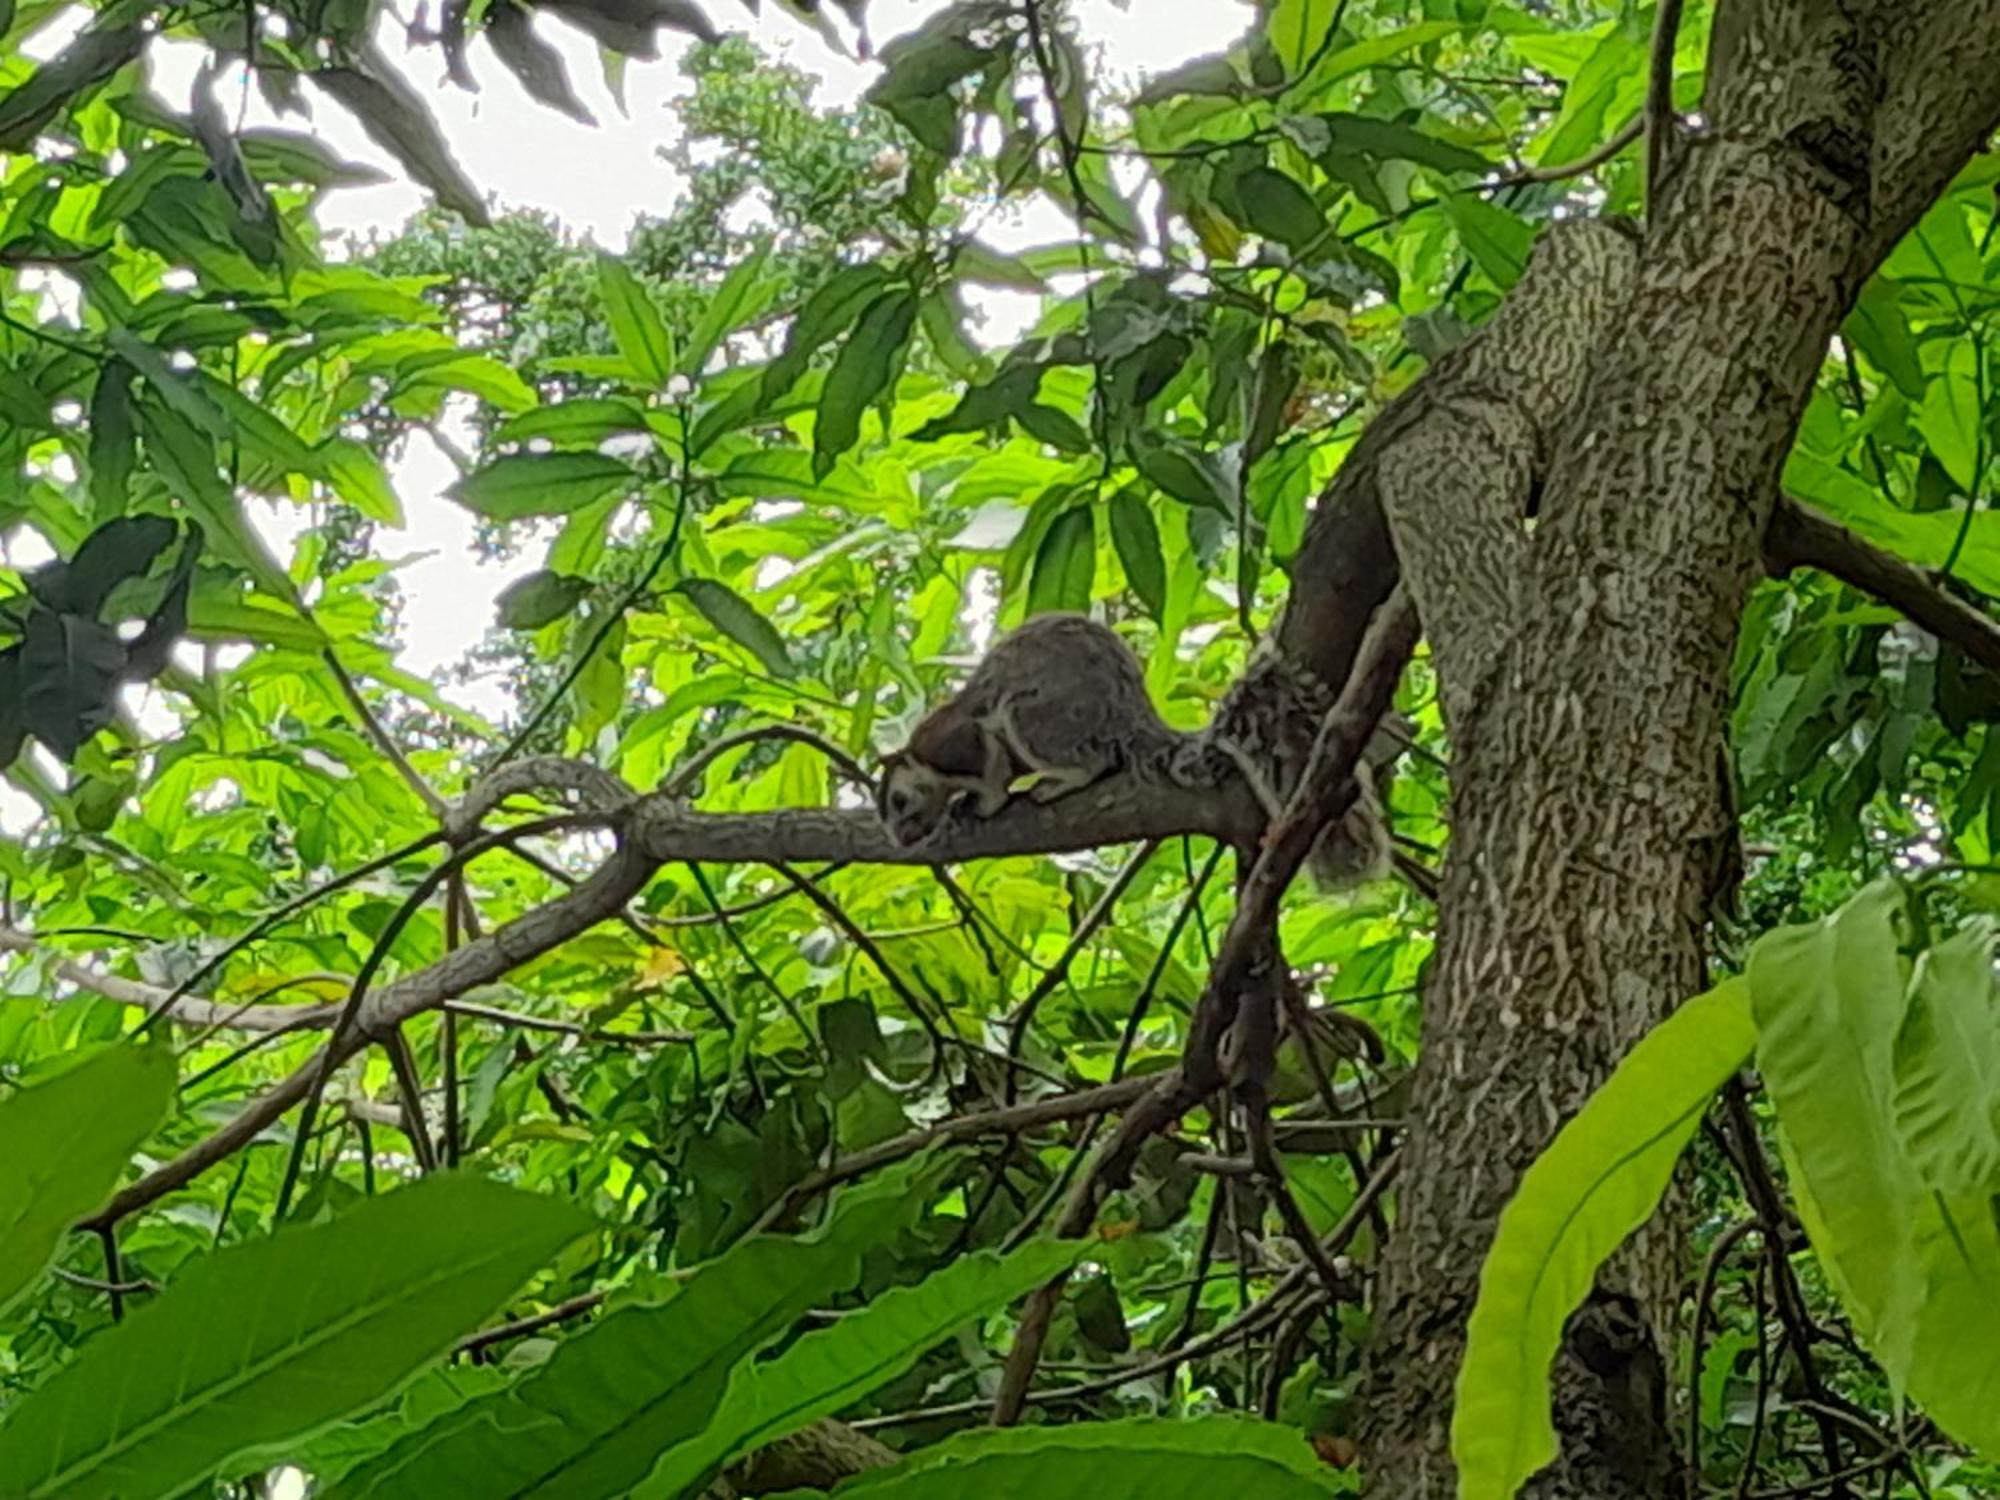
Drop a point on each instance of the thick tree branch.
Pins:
(1801, 537)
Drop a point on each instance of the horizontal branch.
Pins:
(1801, 537)
(188, 1009)
(1122, 809)
(655, 829)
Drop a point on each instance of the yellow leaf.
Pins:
(661, 965)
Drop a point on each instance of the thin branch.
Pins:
(562, 1312)
(1799, 536)
(1658, 119)
(384, 742)
(568, 1028)
(1325, 791)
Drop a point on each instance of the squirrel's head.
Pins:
(912, 798)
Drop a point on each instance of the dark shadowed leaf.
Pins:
(1065, 563)
(539, 599)
(862, 372)
(533, 61)
(118, 550)
(1390, 140)
(1137, 540)
(397, 120)
(69, 1137)
(1278, 208)
(737, 618)
(98, 52)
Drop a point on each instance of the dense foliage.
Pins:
(770, 488)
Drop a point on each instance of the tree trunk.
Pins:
(1587, 709)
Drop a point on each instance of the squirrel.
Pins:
(1060, 702)
(1056, 704)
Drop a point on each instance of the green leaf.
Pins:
(1829, 1001)
(582, 423)
(353, 472)
(541, 484)
(1182, 471)
(1949, 417)
(1497, 241)
(1598, 1181)
(1278, 208)
(1185, 1458)
(636, 324)
(114, 438)
(737, 618)
(1388, 140)
(1947, 1065)
(69, 1137)
(827, 313)
(185, 457)
(1376, 50)
(541, 598)
(1915, 1263)
(837, 1366)
(395, 117)
(742, 298)
(596, 1417)
(1065, 563)
(321, 1322)
(862, 372)
(1605, 93)
(1880, 329)
(1298, 29)
(1137, 540)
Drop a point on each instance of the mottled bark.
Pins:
(1586, 675)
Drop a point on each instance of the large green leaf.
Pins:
(636, 324)
(862, 372)
(828, 1370)
(1065, 563)
(1947, 1065)
(1917, 1264)
(737, 618)
(270, 1340)
(67, 1138)
(1161, 1459)
(596, 1417)
(1137, 539)
(1599, 1180)
(826, 315)
(1950, 415)
(541, 484)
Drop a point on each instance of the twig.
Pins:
(562, 1312)
(1325, 791)
(1086, 929)
(494, 1013)
(1659, 115)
